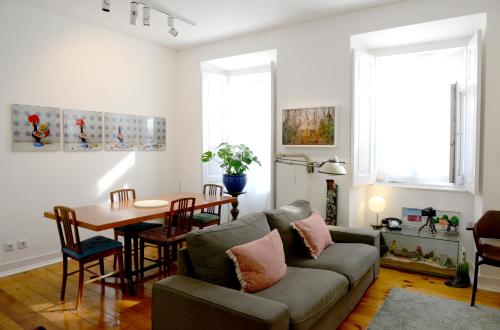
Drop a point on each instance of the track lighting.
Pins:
(172, 30)
(133, 12)
(106, 4)
(146, 14)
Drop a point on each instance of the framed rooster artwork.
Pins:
(120, 132)
(82, 130)
(152, 133)
(35, 128)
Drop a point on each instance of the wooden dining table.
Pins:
(120, 213)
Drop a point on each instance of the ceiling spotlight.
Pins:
(172, 30)
(133, 12)
(146, 13)
(106, 4)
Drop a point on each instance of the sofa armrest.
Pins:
(355, 235)
(182, 302)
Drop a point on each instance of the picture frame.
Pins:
(309, 127)
(412, 217)
(152, 133)
(120, 132)
(82, 130)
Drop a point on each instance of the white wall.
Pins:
(47, 59)
(313, 68)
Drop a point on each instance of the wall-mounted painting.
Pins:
(35, 128)
(120, 132)
(152, 133)
(309, 127)
(82, 130)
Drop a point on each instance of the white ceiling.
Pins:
(217, 19)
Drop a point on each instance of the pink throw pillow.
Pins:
(260, 263)
(314, 232)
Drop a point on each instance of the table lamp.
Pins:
(376, 204)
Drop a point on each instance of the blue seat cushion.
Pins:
(204, 218)
(93, 246)
(137, 227)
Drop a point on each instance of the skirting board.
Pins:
(23, 265)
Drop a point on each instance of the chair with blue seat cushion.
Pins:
(132, 230)
(211, 215)
(86, 251)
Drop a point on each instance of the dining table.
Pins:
(109, 215)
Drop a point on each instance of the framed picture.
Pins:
(82, 130)
(412, 217)
(120, 132)
(306, 127)
(152, 133)
(35, 128)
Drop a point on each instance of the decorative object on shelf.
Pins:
(462, 280)
(82, 130)
(35, 128)
(235, 161)
(376, 204)
(146, 13)
(430, 214)
(450, 222)
(332, 166)
(152, 133)
(120, 132)
(331, 202)
(412, 217)
(309, 127)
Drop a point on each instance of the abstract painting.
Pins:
(82, 130)
(152, 133)
(309, 127)
(35, 128)
(120, 132)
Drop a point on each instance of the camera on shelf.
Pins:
(430, 213)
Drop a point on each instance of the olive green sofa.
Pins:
(314, 294)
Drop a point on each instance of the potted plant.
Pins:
(234, 160)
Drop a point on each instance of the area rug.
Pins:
(405, 309)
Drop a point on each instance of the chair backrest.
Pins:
(122, 194)
(488, 226)
(211, 189)
(180, 219)
(68, 228)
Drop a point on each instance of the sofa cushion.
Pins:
(314, 233)
(308, 293)
(349, 259)
(207, 248)
(281, 219)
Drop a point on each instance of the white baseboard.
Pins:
(23, 265)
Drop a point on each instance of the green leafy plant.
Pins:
(233, 159)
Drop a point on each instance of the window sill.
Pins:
(449, 188)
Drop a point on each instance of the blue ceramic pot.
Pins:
(235, 183)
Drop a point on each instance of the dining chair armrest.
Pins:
(182, 302)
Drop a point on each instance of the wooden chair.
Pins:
(209, 216)
(487, 238)
(134, 229)
(177, 226)
(89, 250)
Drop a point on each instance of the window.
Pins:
(416, 117)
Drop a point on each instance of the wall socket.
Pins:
(22, 244)
(9, 246)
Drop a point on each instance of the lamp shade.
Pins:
(376, 204)
(333, 167)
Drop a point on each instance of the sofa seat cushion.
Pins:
(349, 259)
(207, 248)
(308, 293)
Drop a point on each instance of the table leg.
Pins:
(234, 210)
(128, 263)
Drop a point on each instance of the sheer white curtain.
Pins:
(239, 111)
(413, 115)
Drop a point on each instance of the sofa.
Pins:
(314, 293)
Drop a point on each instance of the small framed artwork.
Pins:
(120, 132)
(82, 130)
(35, 128)
(152, 133)
(412, 217)
(309, 127)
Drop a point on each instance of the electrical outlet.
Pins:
(22, 244)
(8, 246)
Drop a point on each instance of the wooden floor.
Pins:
(31, 299)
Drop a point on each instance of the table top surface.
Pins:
(110, 215)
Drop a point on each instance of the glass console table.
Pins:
(421, 252)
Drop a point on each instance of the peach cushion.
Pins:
(260, 263)
(314, 232)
